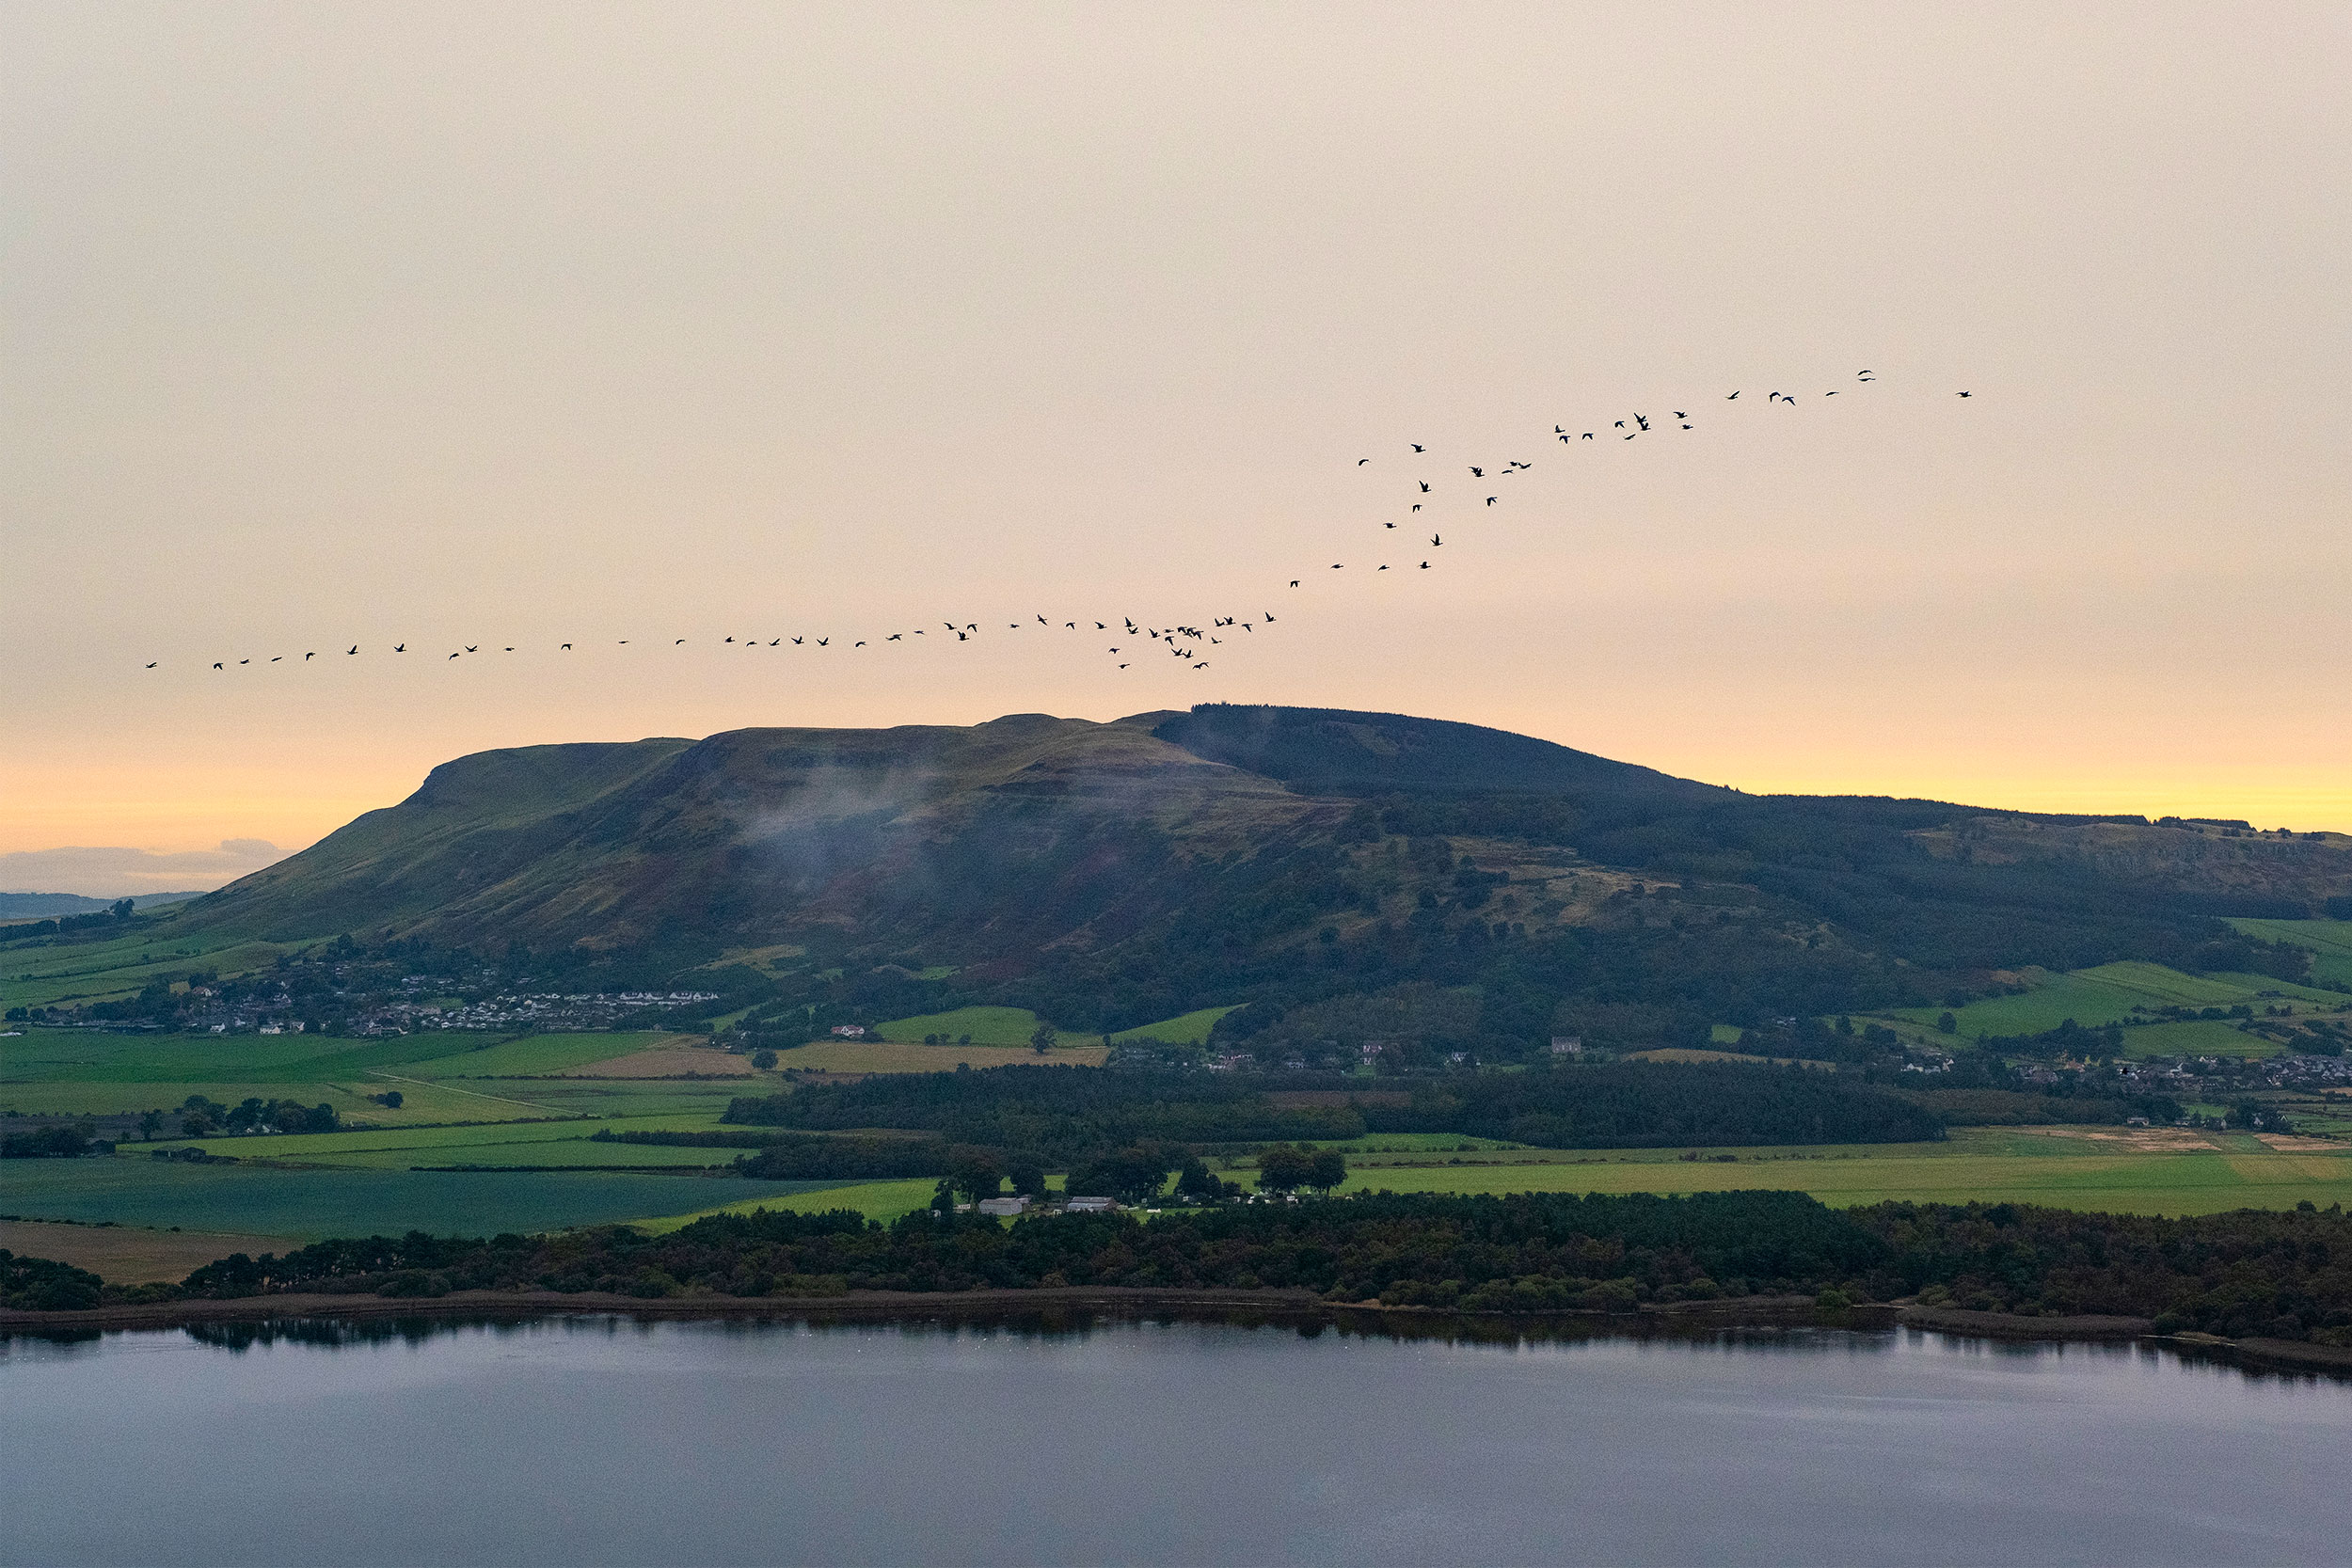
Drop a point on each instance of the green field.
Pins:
(310, 1204)
(2330, 941)
(986, 1025)
(102, 971)
(877, 1200)
(1191, 1029)
(1991, 1167)
(2107, 994)
(534, 1055)
(1014, 1025)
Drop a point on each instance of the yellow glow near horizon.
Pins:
(540, 324)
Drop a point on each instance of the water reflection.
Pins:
(1065, 1435)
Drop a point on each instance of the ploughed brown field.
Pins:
(122, 1255)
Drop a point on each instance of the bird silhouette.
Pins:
(471, 648)
(1424, 565)
(1388, 525)
(1435, 539)
(1362, 461)
(1294, 582)
(1424, 486)
(151, 666)
(1420, 449)
(679, 643)
(217, 664)
(1733, 396)
(1641, 421)
(452, 655)
(400, 647)
(1490, 500)
(1478, 474)
(892, 638)
(567, 647)
(796, 641)
(1964, 394)
(824, 641)
(1588, 435)
(355, 648)
(308, 658)
(274, 657)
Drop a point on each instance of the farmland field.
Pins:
(884, 1056)
(2109, 992)
(122, 1254)
(1989, 1167)
(1190, 1029)
(310, 1204)
(531, 1054)
(877, 1200)
(100, 971)
(986, 1025)
(2329, 940)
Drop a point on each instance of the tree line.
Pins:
(2280, 1275)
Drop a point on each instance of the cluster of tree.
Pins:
(105, 922)
(201, 1118)
(2280, 1275)
(1069, 1114)
(41, 1285)
(1062, 1115)
(62, 1142)
(1657, 1104)
(824, 1159)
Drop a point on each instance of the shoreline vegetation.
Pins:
(2277, 1281)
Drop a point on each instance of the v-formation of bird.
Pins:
(1186, 642)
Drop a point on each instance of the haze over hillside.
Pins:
(1115, 872)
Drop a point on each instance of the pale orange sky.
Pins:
(521, 325)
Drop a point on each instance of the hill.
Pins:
(48, 905)
(1351, 877)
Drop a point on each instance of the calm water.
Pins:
(597, 1441)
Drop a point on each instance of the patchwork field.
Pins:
(102, 971)
(2107, 994)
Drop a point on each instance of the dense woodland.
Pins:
(2250, 1273)
(1061, 1114)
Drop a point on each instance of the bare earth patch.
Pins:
(2287, 1143)
(2140, 1140)
(123, 1256)
(667, 1061)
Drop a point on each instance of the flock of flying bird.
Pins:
(1187, 644)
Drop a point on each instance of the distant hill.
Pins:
(46, 906)
(1107, 875)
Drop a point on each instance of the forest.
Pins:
(1062, 1115)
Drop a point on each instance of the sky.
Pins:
(449, 325)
